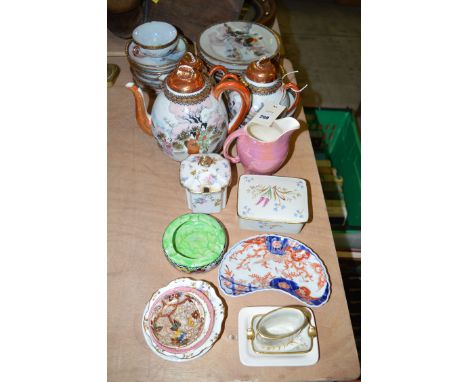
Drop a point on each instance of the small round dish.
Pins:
(194, 242)
(238, 42)
(155, 39)
(195, 350)
(181, 320)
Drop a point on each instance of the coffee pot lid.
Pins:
(185, 79)
(262, 71)
(191, 60)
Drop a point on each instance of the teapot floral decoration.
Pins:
(189, 116)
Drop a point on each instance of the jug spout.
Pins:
(142, 116)
(280, 129)
(287, 125)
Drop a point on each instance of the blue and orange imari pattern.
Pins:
(275, 262)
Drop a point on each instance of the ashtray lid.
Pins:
(273, 199)
(201, 173)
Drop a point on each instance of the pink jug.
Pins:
(262, 149)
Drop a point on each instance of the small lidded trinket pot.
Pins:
(205, 178)
(272, 203)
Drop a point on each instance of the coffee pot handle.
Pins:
(296, 92)
(244, 93)
(227, 144)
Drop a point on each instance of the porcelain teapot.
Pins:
(188, 116)
(265, 85)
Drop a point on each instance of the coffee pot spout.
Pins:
(142, 116)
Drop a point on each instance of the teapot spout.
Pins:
(142, 116)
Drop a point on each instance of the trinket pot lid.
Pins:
(191, 60)
(262, 71)
(201, 173)
(272, 199)
(194, 240)
(185, 79)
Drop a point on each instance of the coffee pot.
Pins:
(266, 86)
(189, 115)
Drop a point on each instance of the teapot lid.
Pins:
(185, 79)
(262, 71)
(191, 60)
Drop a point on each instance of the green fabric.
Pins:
(194, 240)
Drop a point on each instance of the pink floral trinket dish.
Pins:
(183, 320)
(274, 262)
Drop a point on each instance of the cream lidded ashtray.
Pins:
(286, 330)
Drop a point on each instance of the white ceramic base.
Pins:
(207, 203)
(249, 358)
(276, 227)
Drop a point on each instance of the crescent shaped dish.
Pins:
(274, 262)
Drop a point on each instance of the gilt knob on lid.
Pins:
(191, 60)
(262, 71)
(185, 79)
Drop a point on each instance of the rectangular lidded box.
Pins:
(272, 203)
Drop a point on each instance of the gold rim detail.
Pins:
(260, 89)
(187, 100)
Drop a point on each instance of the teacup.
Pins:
(281, 326)
(154, 39)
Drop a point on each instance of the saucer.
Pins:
(249, 357)
(181, 320)
(205, 340)
(238, 42)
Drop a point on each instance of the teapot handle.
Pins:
(227, 144)
(225, 73)
(296, 92)
(231, 76)
(217, 68)
(244, 93)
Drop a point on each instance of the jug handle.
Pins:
(296, 94)
(244, 93)
(227, 144)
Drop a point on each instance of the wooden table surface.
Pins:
(144, 195)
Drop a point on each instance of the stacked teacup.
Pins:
(154, 51)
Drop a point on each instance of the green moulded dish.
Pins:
(194, 242)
